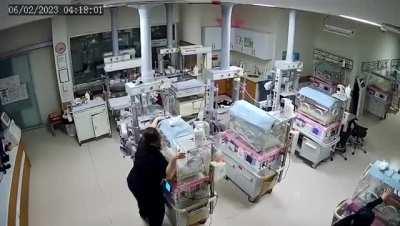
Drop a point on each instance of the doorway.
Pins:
(18, 98)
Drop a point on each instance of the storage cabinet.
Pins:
(211, 36)
(225, 87)
(91, 121)
(255, 89)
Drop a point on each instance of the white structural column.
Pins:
(291, 32)
(226, 34)
(170, 14)
(114, 31)
(145, 43)
(64, 75)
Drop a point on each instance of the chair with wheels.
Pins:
(358, 134)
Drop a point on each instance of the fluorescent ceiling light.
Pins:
(361, 20)
(266, 5)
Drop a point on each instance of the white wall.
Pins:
(379, 11)
(369, 42)
(261, 19)
(28, 34)
(127, 18)
(41, 61)
(191, 21)
(45, 81)
(274, 20)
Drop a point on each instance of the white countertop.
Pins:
(89, 104)
(119, 103)
(255, 79)
(5, 188)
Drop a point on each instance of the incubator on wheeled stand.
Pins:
(378, 176)
(190, 197)
(254, 148)
(147, 101)
(318, 124)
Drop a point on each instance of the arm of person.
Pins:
(155, 122)
(171, 167)
(374, 203)
(384, 198)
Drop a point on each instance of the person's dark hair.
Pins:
(151, 139)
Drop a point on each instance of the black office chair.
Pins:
(358, 133)
(341, 146)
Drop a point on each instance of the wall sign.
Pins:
(61, 61)
(60, 47)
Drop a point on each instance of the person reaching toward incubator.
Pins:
(365, 216)
(149, 169)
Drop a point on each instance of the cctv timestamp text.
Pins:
(54, 10)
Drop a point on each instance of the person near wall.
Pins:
(145, 178)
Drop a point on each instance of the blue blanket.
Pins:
(252, 114)
(175, 127)
(319, 97)
(390, 176)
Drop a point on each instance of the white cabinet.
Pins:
(91, 121)
(84, 126)
(101, 125)
(264, 46)
(211, 37)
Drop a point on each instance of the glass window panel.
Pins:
(87, 51)
(24, 112)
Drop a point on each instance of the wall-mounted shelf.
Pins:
(341, 61)
(377, 65)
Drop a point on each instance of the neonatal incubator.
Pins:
(188, 97)
(189, 197)
(320, 133)
(378, 176)
(321, 107)
(318, 124)
(254, 149)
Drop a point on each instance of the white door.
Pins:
(83, 124)
(101, 124)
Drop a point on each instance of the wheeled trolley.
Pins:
(190, 196)
(197, 213)
(254, 148)
(254, 184)
(190, 202)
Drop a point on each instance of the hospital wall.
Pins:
(127, 18)
(368, 43)
(41, 61)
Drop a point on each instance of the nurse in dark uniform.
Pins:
(149, 169)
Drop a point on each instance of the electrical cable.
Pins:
(249, 96)
(211, 215)
(289, 161)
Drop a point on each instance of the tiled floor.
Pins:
(86, 186)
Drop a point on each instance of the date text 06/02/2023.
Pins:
(54, 10)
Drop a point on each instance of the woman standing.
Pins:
(149, 169)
